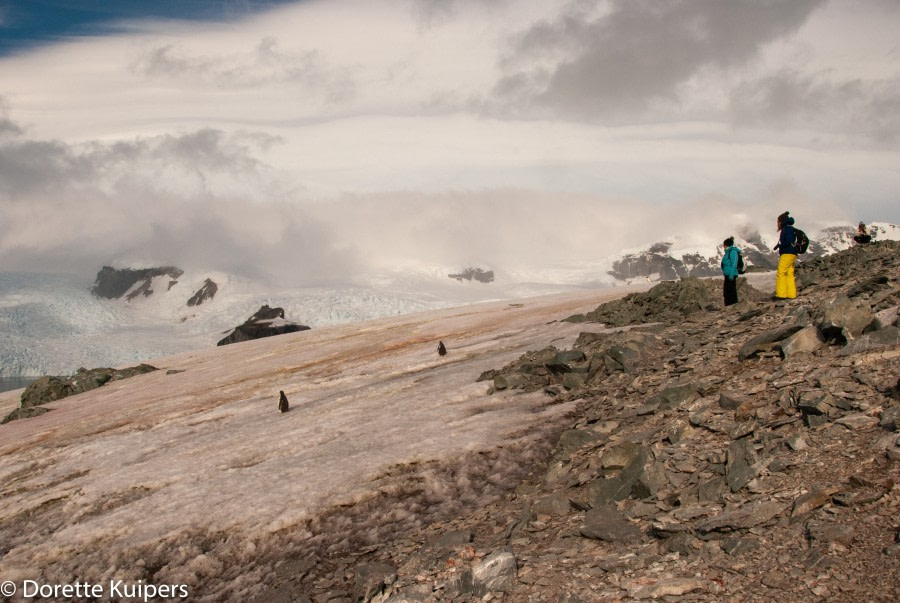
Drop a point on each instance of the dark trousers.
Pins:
(730, 290)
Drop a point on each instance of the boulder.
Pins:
(767, 341)
(886, 318)
(495, 573)
(881, 339)
(806, 340)
(740, 466)
(843, 318)
(607, 523)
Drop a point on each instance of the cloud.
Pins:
(194, 164)
(200, 199)
(266, 63)
(625, 61)
(792, 100)
(338, 138)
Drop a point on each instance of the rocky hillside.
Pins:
(748, 453)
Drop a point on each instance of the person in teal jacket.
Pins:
(730, 270)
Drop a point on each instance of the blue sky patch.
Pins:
(26, 24)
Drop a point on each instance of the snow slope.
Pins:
(52, 325)
(194, 478)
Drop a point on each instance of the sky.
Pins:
(322, 139)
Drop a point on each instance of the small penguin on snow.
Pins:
(283, 405)
(442, 349)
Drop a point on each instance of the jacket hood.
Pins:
(789, 221)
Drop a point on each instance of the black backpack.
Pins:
(801, 241)
(741, 268)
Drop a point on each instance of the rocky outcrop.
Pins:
(474, 274)
(204, 293)
(740, 453)
(50, 389)
(666, 302)
(266, 322)
(115, 283)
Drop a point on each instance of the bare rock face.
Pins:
(115, 283)
(205, 293)
(266, 322)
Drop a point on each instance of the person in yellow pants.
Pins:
(785, 285)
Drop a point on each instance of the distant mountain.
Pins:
(129, 283)
(474, 274)
(115, 283)
(671, 260)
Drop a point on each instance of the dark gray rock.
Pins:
(890, 418)
(843, 318)
(511, 381)
(205, 293)
(474, 274)
(731, 400)
(555, 504)
(573, 439)
(495, 573)
(885, 318)
(740, 467)
(739, 546)
(806, 340)
(744, 517)
(371, 579)
(675, 396)
(609, 524)
(766, 341)
(266, 322)
(830, 532)
(628, 463)
(623, 358)
(882, 339)
(450, 540)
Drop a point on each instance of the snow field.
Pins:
(195, 477)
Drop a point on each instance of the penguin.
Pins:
(442, 350)
(283, 402)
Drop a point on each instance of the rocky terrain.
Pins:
(748, 453)
(49, 389)
(266, 322)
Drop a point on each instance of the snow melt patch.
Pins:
(194, 477)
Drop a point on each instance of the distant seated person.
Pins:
(862, 235)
